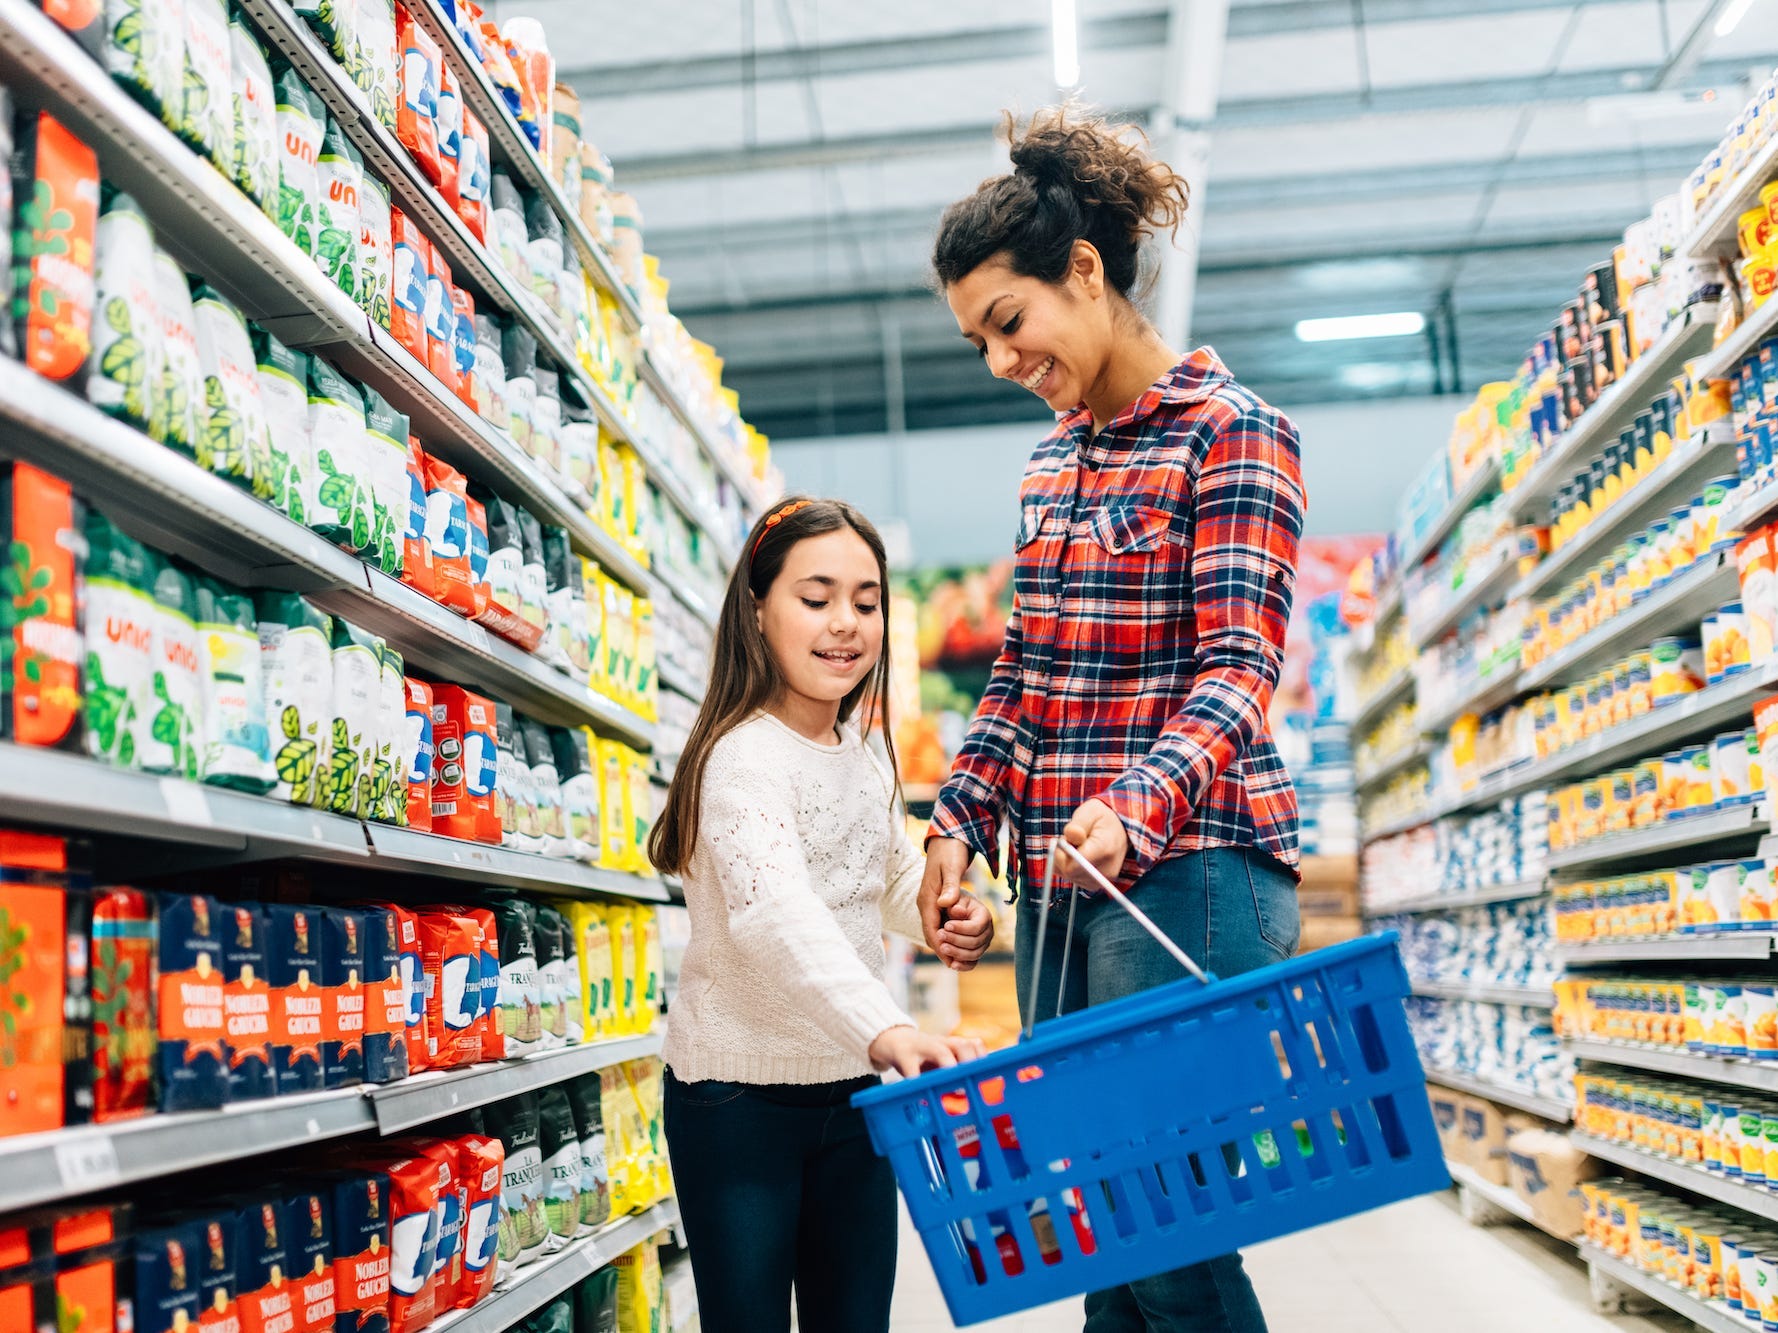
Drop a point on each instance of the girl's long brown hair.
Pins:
(744, 676)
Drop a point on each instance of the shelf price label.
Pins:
(88, 1163)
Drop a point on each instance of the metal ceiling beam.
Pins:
(1312, 108)
(1016, 42)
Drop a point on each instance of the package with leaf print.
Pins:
(338, 223)
(388, 790)
(55, 185)
(41, 581)
(379, 58)
(175, 742)
(376, 252)
(299, 155)
(447, 534)
(345, 508)
(125, 363)
(233, 439)
(335, 23)
(238, 743)
(144, 51)
(247, 1003)
(385, 441)
(123, 964)
(120, 621)
(8, 220)
(180, 411)
(191, 1068)
(207, 113)
(296, 663)
(284, 397)
(357, 710)
(255, 157)
(45, 1033)
(299, 1004)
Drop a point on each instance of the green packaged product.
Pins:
(595, 1303)
(377, 69)
(175, 742)
(145, 52)
(299, 153)
(376, 251)
(232, 437)
(357, 712)
(552, 973)
(284, 397)
(587, 1103)
(120, 620)
(334, 22)
(388, 793)
(385, 434)
(296, 661)
(344, 509)
(336, 236)
(255, 111)
(237, 750)
(207, 115)
(126, 361)
(561, 1166)
(524, 1226)
(181, 396)
(556, 1317)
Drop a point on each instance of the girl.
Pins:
(1155, 561)
(784, 827)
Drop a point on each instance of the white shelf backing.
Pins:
(537, 1284)
(65, 1163)
(1477, 696)
(1754, 1075)
(1481, 591)
(1450, 902)
(1517, 1098)
(1757, 1200)
(1615, 408)
(1398, 687)
(1682, 604)
(1678, 478)
(1392, 764)
(1722, 947)
(1712, 1316)
(1532, 997)
(1482, 481)
(1744, 822)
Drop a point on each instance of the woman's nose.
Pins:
(1002, 361)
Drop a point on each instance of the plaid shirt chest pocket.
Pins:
(1130, 564)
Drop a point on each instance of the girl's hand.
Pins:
(1100, 835)
(941, 887)
(966, 933)
(911, 1052)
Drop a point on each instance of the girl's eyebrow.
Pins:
(828, 581)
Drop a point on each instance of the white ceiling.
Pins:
(792, 157)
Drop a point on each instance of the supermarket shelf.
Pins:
(1713, 235)
(1746, 821)
(1720, 361)
(1712, 1316)
(63, 1163)
(1450, 902)
(1679, 477)
(693, 603)
(742, 480)
(1503, 1197)
(418, 1100)
(431, 854)
(1394, 690)
(1723, 946)
(1754, 1075)
(1392, 764)
(1754, 507)
(680, 680)
(537, 1284)
(1399, 825)
(1486, 478)
(1532, 997)
(1480, 697)
(1615, 408)
(1757, 1200)
(1547, 1107)
(1683, 603)
(1490, 585)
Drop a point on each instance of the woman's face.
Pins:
(823, 616)
(1052, 338)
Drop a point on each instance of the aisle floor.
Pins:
(1408, 1268)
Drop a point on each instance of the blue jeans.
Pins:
(779, 1188)
(1232, 909)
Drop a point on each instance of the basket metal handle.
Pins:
(1058, 845)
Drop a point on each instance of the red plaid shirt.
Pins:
(1152, 588)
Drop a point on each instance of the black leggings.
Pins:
(778, 1187)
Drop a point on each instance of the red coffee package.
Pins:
(420, 746)
(450, 947)
(481, 1160)
(493, 1043)
(416, 115)
(448, 533)
(416, 551)
(475, 175)
(453, 1218)
(478, 557)
(407, 314)
(123, 1003)
(465, 765)
(441, 354)
(450, 137)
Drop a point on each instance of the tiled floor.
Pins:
(1410, 1268)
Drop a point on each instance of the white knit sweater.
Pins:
(800, 865)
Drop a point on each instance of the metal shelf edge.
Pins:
(1754, 1075)
(1516, 1098)
(1747, 1199)
(1673, 834)
(1722, 946)
(1445, 902)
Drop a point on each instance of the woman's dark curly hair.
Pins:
(1075, 178)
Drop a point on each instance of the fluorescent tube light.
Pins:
(1397, 325)
(1731, 17)
(1067, 43)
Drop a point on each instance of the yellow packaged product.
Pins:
(617, 600)
(622, 920)
(594, 578)
(1619, 800)
(592, 936)
(641, 811)
(646, 965)
(612, 773)
(641, 1295)
(621, 1144)
(645, 1078)
(646, 657)
(612, 515)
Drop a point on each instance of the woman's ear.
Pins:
(1087, 268)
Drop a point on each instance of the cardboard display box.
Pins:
(1484, 1131)
(1546, 1171)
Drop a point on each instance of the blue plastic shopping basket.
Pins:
(1163, 1129)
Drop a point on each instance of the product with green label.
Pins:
(357, 714)
(232, 438)
(376, 251)
(296, 662)
(207, 114)
(385, 435)
(175, 742)
(237, 750)
(335, 23)
(145, 52)
(120, 631)
(336, 237)
(377, 69)
(344, 509)
(284, 397)
(255, 161)
(299, 152)
(388, 786)
(126, 361)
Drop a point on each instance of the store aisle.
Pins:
(1413, 1266)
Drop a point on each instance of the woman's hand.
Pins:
(910, 1051)
(1100, 835)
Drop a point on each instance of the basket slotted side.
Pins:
(1177, 1115)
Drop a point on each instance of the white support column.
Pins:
(1197, 32)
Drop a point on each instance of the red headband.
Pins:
(774, 521)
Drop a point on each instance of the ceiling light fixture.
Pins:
(1067, 43)
(1731, 17)
(1341, 328)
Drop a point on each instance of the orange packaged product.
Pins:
(441, 356)
(451, 949)
(60, 175)
(40, 524)
(49, 1082)
(407, 309)
(416, 551)
(475, 175)
(481, 1163)
(464, 765)
(449, 535)
(416, 113)
(478, 557)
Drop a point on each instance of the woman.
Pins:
(1156, 558)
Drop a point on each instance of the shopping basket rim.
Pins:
(1110, 1019)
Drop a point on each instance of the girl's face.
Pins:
(1052, 338)
(823, 617)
